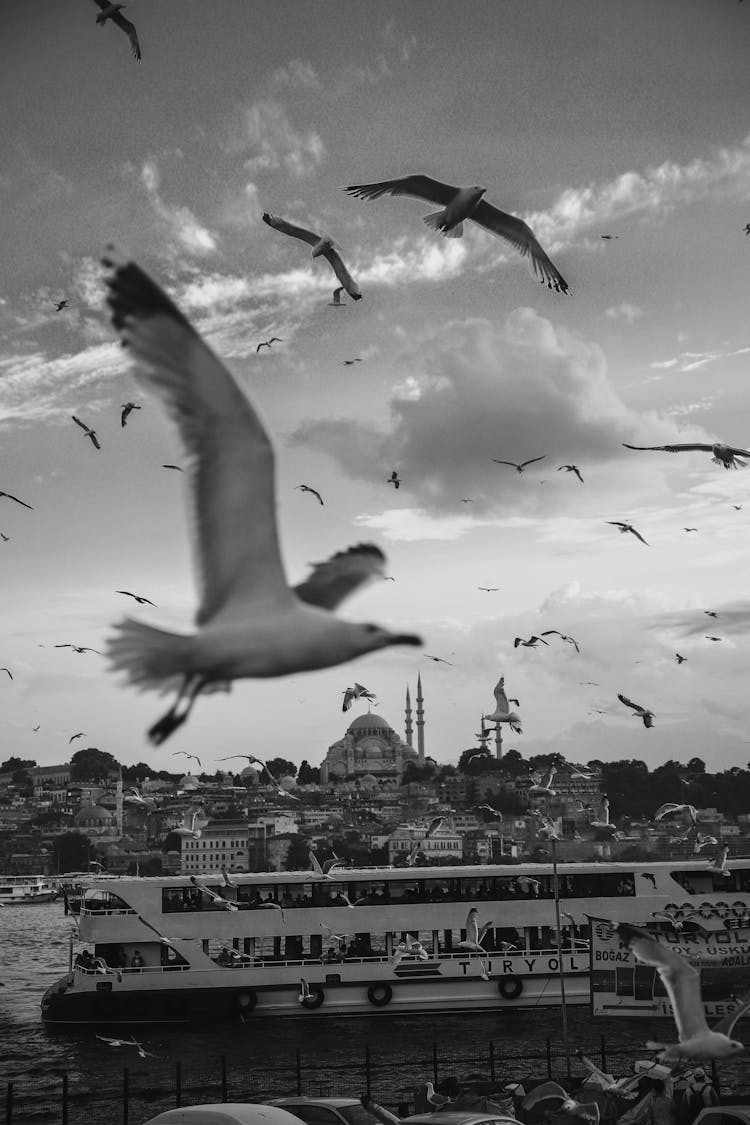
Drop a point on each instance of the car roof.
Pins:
(302, 1099)
(228, 1113)
(457, 1117)
(721, 1114)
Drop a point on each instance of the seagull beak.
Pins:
(404, 639)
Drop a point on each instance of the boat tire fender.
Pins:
(247, 999)
(510, 988)
(379, 995)
(315, 999)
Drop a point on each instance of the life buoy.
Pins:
(721, 909)
(247, 999)
(379, 995)
(510, 988)
(315, 999)
(739, 909)
(706, 910)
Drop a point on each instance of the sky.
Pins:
(585, 118)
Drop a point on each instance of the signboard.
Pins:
(623, 986)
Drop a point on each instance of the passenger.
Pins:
(224, 957)
(701, 1093)
(136, 961)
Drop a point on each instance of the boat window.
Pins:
(598, 884)
(701, 881)
(97, 902)
(406, 890)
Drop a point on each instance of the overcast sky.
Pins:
(589, 117)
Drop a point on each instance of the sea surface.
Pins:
(324, 1055)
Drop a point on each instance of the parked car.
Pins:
(326, 1111)
(724, 1115)
(465, 1117)
(225, 1113)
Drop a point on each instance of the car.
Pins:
(224, 1113)
(724, 1115)
(326, 1111)
(463, 1117)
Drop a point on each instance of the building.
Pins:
(49, 779)
(443, 846)
(222, 843)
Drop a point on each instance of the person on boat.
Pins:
(224, 957)
(136, 961)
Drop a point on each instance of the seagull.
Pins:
(127, 408)
(88, 431)
(680, 659)
(579, 771)
(114, 12)
(562, 636)
(519, 468)
(80, 648)
(670, 809)
(136, 597)
(324, 870)
(438, 660)
(408, 948)
(61, 305)
(627, 527)
(438, 1100)
(712, 638)
(650, 876)
(690, 529)
(23, 504)
(414, 851)
(192, 832)
(737, 507)
(306, 488)
(393, 479)
(609, 236)
(216, 899)
(268, 343)
(177, 467)
(351, 362)
(710, 613)
(111, 1042)
(572, 469)
(489, 809)
(356, 692)
(5, 538)
(606, 1081)
(433, 826)
(566, 1104)
(336, 303)
(489, 589)
(250, 623)
(682, 982)
(703, 842)
(605, 825)
(184, 754)
(526, 883)
(676, 923)
(132, 796)
(502, 712)
(304, 990)
(467, 203)
(719, 866)
(101, 966)
(726, 455)
(545, 786)
(272, 906)
(532, 642)
(747, 225)
(330, 934)
(73, 737)
(227, 881)
(641, 712)
(321, 245)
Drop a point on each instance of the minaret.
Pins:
(408, 731)
(498, 741)
(420, 722)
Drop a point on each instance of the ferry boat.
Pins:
(245, 947)
(22, 890)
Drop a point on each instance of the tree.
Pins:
(298, 856)
(137, 773)
(415, 772)
(513, 763)
(172, 842)
(92, 763)
(279, 767)
(307, 774)
(71, 852)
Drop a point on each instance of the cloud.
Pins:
(627, 312)
(474, 391)
(180, 222)
(269, 141)
(31, 386)
(693, 361)
(412, 524)
(297, 73)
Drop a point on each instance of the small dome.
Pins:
(189, 782)
(287, 781)
(370, 721)
(94, 814)
(249, 774)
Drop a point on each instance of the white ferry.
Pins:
(196, 948)
(22, 890)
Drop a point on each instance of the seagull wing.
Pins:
(637, 535)
(629, 703)
(129, 29)
(726, 1026)
(673, 448)
(232, 459)
(663, 810)
(336, 263)
(21, 502)
(533, 459)
(284, 227)
(681, 980)
(83, 425)
(522, 238)
(334, 580)
(513, 463)
(541, 1093)
(500, 697)
(419, 187)
(739, 452)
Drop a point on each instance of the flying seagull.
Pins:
(177, 467)
(336, 303)
(712, 638)
(351, 362)
(437, 659)
(683, 985)
(543, 785)
(710, 613)
(269, 343)
(502, 712)
(184, 754)
(126, 408)
(394, 479)
(489, 589)
(73, 737)
(572, 469)
(737, 507)
(562, 636)
(306, 488)
(532, 642)
(624, 527)
(136, 597)
(321, 245)
(88, 431)
(669, 809)
(690, 529)
(61, 305)
(23, 504)
(216, 899)
(609, 237)
(519, 468)
(356, 692)
(80, 648)
(726, 455)
(114, 12)
(8, 671)
(680, 659)
(466, 203)
(250, 623)
(641, 712)
(719, 866)
(5, 538)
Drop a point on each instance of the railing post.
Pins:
(603, 1052)
(299, 1073)
(492, 1059)
(434, 1063)
(9, 1104)
(178, 1084)
(549, 1058)
(715, 1078)
(64, 1099)
(368, 1082)
(224, 1078)
(125, 1095)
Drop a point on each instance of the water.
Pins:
(261, 1059)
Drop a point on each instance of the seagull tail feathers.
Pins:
(152, 658)
(436, 221)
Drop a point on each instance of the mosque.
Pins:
(371, 750)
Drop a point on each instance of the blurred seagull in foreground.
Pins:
(321, 245)
(719, 866)
(519, 467)
(114, 12)
(683, 984)
(641, 712)
(726, 455)
(337, 303)
(670, 809)
(459, 204)
(306, 488)
(572, 469)
(250, 623)
(91, 434)
(624, 527)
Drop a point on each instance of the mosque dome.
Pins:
(369, 722)
(189, 782)
(94, 816)
(249, 774)
(287, 781)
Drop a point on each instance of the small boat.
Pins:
(25, 890)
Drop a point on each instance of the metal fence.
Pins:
(74, 1100)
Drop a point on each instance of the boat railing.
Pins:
(131, 970)
(99, 912)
